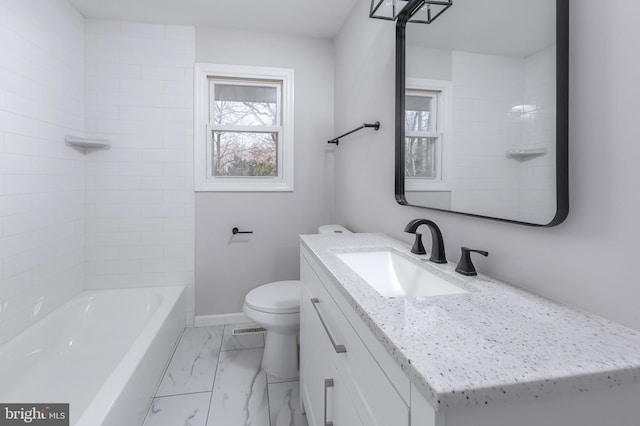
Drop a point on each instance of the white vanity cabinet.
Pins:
(348, 378)
(340, 380)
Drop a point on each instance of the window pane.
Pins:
(420, 157)
(240, 105)
(420, 113)
(244, 154)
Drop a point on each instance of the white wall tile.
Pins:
(140, 197)
(112, 239)
(144, 279)
(100, 26)
(42, 209)
(142, 31)
(109, 41)
(142, 86)
(102, 253)
(140, 252)
(114, 127)
(103, 111)
(141, 58)
(140, 169)
(164, 100)
(179, 32)
(166, 156)
(15, 123)
(168, 46)
(475, 76)
(146, 224)
(167, 73)
(165, 182)
(106, 56)
(178, 87)
(102, 96)
(140, 186)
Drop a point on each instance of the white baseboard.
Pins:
(221, 319)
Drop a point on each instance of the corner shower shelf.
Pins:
(526, 154)
(87, 143)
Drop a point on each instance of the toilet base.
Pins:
(280, 358)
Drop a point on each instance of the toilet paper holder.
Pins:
(235, 231)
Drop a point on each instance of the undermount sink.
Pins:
(394, 275)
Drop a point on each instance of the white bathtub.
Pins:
(103, 352)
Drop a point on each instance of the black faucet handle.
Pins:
(418, 247)
(465, 265)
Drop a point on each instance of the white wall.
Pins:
(140, 202)
(227, 268)
(41, 180)
(589, 260)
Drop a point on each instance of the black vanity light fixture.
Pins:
(424, 11)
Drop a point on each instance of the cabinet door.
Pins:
(343, 408)
(373, 397)
(315, 362)
(324, 391)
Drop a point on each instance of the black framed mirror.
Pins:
(482, 110)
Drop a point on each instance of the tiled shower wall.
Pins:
(539, 131)
(486, 88)
(140, 200)
(41, 180)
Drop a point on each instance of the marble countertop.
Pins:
(495, 344)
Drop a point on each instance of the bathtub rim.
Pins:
(107, 396)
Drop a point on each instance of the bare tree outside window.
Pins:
(244, 128)
(243, 118)
(420, 147)
(245, 154)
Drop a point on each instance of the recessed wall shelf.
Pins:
(526, 154)
(87, 143)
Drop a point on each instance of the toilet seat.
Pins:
(280, 297)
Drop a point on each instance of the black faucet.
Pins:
(465, 265)
(437, 243)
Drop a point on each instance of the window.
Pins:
(425, 123)
(243, 128)
(422, 139)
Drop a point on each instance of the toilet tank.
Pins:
(332, 230)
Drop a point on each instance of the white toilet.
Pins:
(276, 307)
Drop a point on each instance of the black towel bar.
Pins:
(375, 125)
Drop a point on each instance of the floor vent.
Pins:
(248, 330)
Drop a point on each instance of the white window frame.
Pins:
(203, 128)
(442, 133)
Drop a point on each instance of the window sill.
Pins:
(243, 187)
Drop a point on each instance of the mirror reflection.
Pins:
(480, 110)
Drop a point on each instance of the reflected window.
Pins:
(423, 134)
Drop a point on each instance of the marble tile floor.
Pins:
(215, 379)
